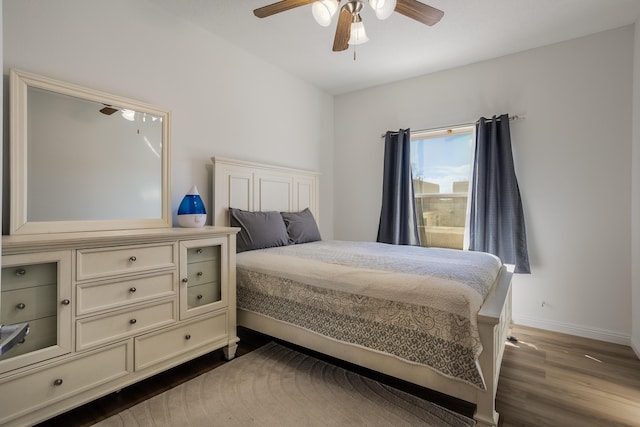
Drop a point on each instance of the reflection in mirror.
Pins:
(125, 147)
(83, 160)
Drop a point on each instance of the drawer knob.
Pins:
(57, 382)
(185, 280)
(198, 251)
(133, 321)
(20, 306)
(199, 296)
(21, 272)
(65, 302)
(132, 289)
(132, 258)
(199, 274)
(187, 337)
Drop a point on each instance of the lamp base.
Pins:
(192, 220)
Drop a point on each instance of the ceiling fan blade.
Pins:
(419, 11)
(280, 6)
(343, 31)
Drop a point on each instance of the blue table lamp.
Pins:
(191, 212)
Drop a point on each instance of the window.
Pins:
(441, 163)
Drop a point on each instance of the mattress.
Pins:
(416, 304)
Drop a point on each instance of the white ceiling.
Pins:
(399, 47)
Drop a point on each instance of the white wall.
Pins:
(224, 101)
(635, 199)
(572, 155)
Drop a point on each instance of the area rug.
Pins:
(277, 386)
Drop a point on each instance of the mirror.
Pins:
(84, 160)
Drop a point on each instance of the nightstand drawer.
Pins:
(22, 276)
(96, 296)
(97, 263)
(49, 384)
(160, 346)
(23, 305)
(102, 329)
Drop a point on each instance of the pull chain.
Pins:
(355, 46)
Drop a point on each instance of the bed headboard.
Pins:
(259, 187)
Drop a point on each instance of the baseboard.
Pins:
(635, 345)
(580, 331)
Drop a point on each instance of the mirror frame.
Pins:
(20, 81)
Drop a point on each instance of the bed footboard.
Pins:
(494, 320)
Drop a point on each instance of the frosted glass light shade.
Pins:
(323, 11)
(358, 35)
(191, 212)
(383, 8)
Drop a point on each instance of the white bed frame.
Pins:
(259, 187)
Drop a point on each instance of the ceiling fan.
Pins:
(350, 29)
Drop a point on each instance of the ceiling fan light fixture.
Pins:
(383, 8)
(128, 114)
(323, 11)
(358, 35)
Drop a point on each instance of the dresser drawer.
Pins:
(203, 272)
(42, 334)
(92, 297)
(157, 347)
(97, 263)
(203, 294)
(205, 253)
(23, 305)
(44, 386)
(102, 329)
(23, 276)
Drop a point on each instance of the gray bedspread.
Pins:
(416, 304)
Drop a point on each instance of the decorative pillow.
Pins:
(301, 226)
(259, 230)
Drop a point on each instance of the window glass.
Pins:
(441, 163)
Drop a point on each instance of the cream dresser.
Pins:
(107, 309)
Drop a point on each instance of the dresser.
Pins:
(109, 308)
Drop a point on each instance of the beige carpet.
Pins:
(278, 386)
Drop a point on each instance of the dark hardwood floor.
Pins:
(547, 379)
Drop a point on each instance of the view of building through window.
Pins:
(441, 167)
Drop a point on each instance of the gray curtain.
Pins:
(497, 219)
(398, 214)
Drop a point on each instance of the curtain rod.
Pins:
(514, 118)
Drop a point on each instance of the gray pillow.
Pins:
(301, 227)
(259, 230)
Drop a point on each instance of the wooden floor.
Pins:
(547, 379)
(551, 379)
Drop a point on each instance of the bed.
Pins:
(364, 302)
